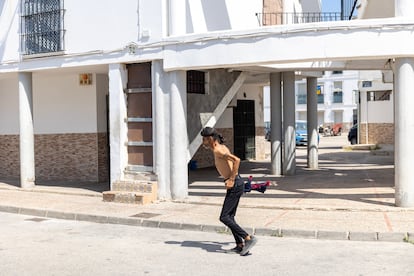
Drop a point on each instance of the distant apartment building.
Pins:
(336, 96)
(337, 99)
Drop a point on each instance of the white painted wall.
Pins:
(9, 26)
(100, 24)
(9, 105)
(89, 25)
(311, 5)
(375, 9)
(214, 15)
(61, 105)
(299, 6)
(107, 25)
(375, 111)
(102, 91)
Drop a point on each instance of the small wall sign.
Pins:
(85, 79)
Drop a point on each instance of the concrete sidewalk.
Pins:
(351, 196)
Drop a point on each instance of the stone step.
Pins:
(132, 191)
(128, 197)
(139, 175)
(134, 186)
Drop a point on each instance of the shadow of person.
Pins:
(208, 246)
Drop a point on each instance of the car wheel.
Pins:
(353, 140)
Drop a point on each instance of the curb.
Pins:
(281, 232)
(306, 208)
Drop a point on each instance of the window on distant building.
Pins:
(337, 97)
(41, 26)
(301, 96)
(197, 82)
(337, 94)
(379, 95)
(319, 93)
(336, 72)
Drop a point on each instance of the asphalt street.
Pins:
(42, 246)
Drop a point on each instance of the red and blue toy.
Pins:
(256, 186)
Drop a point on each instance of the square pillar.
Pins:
(276, 123)
(179, 146)
(27, 158)
(312, 121)
(162, 129)
(289, 121)
(118, 128)
(404, 131)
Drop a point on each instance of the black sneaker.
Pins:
(248, 245)
(235, 250)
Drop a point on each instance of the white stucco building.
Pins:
(121, 94)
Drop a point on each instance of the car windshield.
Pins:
(301, 126)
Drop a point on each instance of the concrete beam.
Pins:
(325, 41)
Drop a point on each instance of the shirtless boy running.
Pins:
(227, 165)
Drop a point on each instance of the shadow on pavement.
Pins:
(356, 176)
(213, 247)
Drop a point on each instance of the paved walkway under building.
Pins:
(350, 196)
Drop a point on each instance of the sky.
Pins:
(331, 5)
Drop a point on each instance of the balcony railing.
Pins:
(283, 18)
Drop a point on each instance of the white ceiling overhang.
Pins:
(344, 45)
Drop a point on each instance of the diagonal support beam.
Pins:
(210, 119)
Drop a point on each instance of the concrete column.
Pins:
(404, 131)
(289, 129)
(404, 8)
(178, 135)
(27, 158)
(118, 128)
(177, 17)
(161, 129)
(276, 123)
(312, 118)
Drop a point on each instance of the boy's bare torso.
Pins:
(223, 164)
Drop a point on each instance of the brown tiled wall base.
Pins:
(9, 156)
(103, 157)
(377, 134)
(63, 157)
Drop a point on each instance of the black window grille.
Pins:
(42, 26)
(196, 82)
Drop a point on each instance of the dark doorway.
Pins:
(244, 130)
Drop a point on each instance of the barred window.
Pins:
(41, 26)
(196, 82)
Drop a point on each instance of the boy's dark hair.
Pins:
(209, 131)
